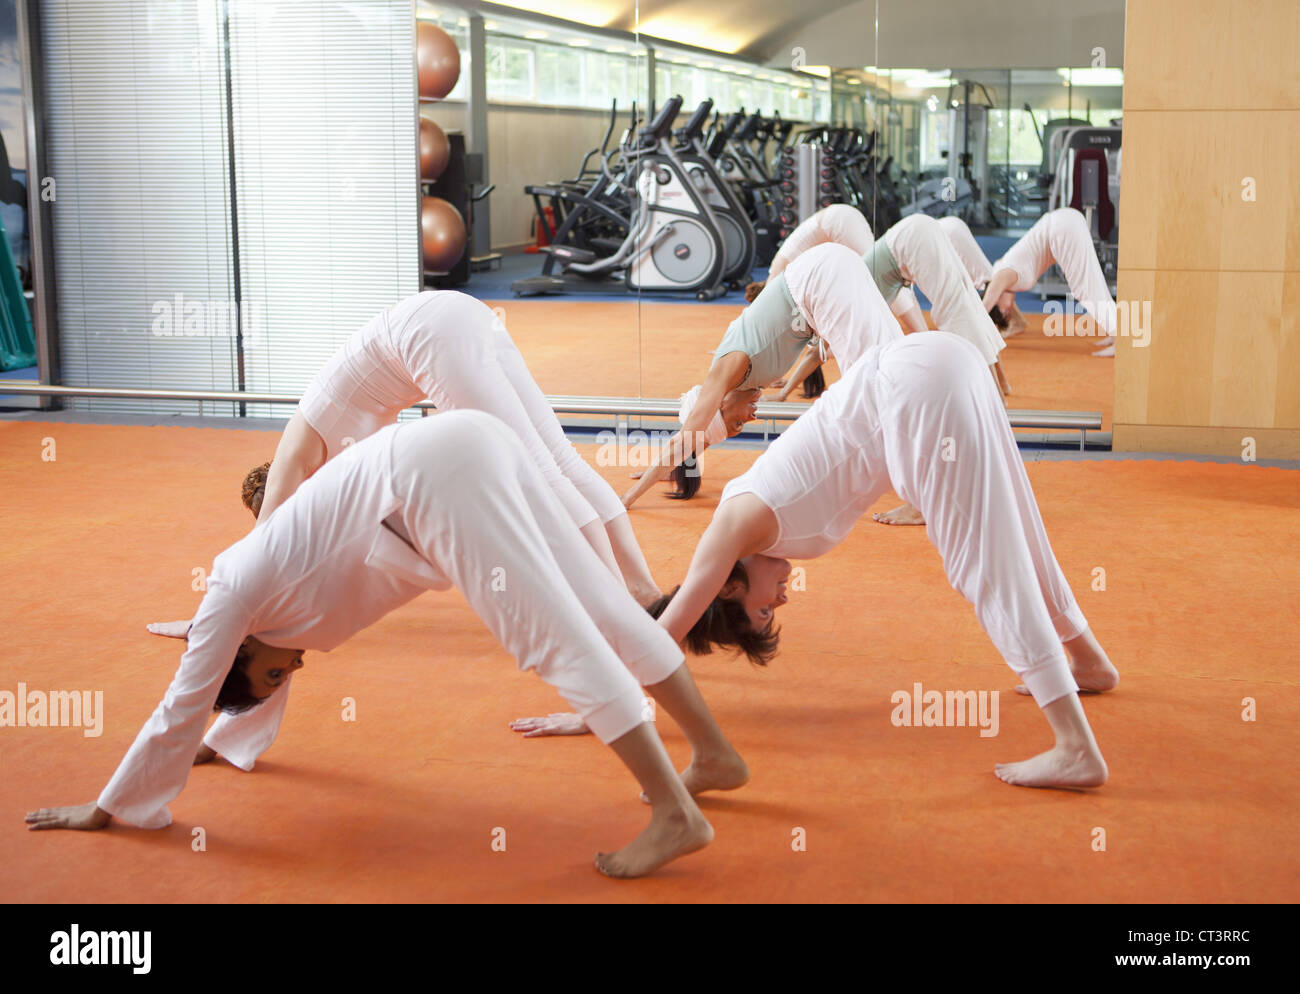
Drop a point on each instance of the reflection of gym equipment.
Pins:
(435, 150)
(942, 196)
(442, 235)
(968, 157)
(828, 166)
(738, 237)
(804, 190)
(437, 61)
(736, 149)
(447, 216)
(447, 173)
(673, 239)
(1084, 159)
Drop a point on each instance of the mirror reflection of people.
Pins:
(1060, 237)
(919, 250)
(821, 293)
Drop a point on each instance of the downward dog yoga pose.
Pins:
(1061, 237)
(448, 500)
(452, 349)
(920, 415)
(917, 250)
(823, 291)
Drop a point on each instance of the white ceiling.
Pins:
(965, 33)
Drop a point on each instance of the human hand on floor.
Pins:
(170, 629)
(562, 723)
(80, 817)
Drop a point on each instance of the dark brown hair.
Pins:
(254, 488)
(236, 693)
(726, 623)
(814, 384)
(686, 478)
(998, 317)
(753, 290)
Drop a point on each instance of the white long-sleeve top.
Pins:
(320, 569)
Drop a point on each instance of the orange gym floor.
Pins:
(1200, 610)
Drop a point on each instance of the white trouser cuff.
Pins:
(230, 751)
(1071, 624)
(1049, 680)
(616, 718)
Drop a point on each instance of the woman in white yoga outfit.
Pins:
(839, 223)
(916, 250)
(446, 501)
(452, 349)
(842, 225)
(921, 416)
(1061, 237)
(822, 292)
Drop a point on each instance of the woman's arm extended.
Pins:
(300, 453)
(727, 374)
(1003, 280)
(809, 361)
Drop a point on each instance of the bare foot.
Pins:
(667, 837)
(1093, 671)
(206, 754)
(1058, 767)
(905, 515)
(713, 773)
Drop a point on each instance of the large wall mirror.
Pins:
(607, 176)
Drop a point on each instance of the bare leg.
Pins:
(1074, 761)
(594, 533)
(1003, 386)
(905, 515)
(676, 825)
(631, 561)
(715, 765)
(1092, 668)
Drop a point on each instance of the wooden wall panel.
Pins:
(1133, 365)
(1247, 338)
(1211, 96)
(1182, 203)
(1211, 54)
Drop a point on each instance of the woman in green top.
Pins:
(821, 293)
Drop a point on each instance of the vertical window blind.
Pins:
(166, 269)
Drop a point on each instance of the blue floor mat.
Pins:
(494, 284)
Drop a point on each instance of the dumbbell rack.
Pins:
(807, 184)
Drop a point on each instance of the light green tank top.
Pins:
(884, 270)
(770, 331)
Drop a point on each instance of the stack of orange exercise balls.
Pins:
(442, 229)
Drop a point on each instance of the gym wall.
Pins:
(528, 145)
(1211, 120)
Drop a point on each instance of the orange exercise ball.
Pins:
(442, 234)
(435, 150)
(438, 60)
